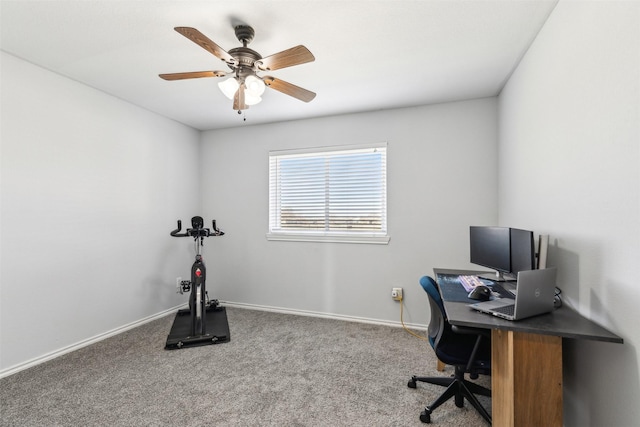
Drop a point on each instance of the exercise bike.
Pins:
(205, 321)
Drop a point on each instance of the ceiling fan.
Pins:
(246, 87)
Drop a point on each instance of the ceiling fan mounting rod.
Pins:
(245, 56)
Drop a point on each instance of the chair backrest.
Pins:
(454, 348)
(438, 322)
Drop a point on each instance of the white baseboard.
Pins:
(308, 313)
(68, 349)
(57, 353)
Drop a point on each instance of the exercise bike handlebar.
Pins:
(197, 232)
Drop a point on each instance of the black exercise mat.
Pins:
(217, 329)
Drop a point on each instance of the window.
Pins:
(336, 194)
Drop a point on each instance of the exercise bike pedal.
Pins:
(214, 305)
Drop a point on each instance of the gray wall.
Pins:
(569, 167)
(442, 172)
(91, 187)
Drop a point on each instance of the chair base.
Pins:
(458, 388)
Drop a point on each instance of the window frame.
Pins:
(367, 237)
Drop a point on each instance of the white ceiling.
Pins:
(370, 54)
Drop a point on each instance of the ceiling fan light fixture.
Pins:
(254, 86)
(229, 87)
(250, 99)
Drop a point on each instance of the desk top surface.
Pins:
(564, 322)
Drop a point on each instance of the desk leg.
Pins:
(526, 379)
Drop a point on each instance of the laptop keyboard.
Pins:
(507, 309)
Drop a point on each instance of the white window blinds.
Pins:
(329, 192)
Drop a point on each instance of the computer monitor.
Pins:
(506, 250)
(491, 247)
(523, 252)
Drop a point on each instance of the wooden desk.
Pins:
(526, 357)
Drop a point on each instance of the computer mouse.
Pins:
(481, 292)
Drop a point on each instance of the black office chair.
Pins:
(467, 349)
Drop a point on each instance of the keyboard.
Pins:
(507, 309)
(470, 282)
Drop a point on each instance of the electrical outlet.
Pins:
(396, 294)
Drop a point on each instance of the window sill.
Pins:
(308, 237)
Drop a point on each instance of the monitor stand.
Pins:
(498, 276)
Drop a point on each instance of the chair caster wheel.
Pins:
(412, 384)
(425, 416)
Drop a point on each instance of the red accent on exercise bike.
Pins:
(198, 272)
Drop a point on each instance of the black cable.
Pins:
(557, 298)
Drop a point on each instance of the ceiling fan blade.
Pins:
(287, 58)
(238, 99)
(289, 89)
(192, 75)
(203, 41)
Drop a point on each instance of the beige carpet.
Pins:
(277, 370)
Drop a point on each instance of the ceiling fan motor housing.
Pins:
(246, 57)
